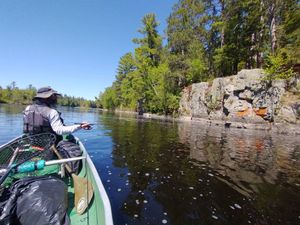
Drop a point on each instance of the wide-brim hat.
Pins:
(46, 92)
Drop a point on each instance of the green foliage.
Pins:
(205, 39)
(143, 76)
(126, 65)
(151, 43)
(213, 103)
(132, 89)
(298, 88)
(72, 101)
(277, 68)
(13, 95)
(290, 32)
(109, 98)
(186, 38)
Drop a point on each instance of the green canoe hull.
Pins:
(99, 208)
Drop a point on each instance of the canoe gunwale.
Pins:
(100, 187)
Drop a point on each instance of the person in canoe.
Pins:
(41, 124)
(41, 116)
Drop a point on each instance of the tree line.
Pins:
(205, 39)
(14, 95)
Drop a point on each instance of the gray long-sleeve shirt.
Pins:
(56, 124)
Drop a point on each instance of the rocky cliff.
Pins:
(245, 100)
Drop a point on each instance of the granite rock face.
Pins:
(245, 100)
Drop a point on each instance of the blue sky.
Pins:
(72, 45)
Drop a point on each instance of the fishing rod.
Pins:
(91, 124)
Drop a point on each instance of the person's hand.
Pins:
(85, 126)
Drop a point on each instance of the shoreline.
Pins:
(272, 127)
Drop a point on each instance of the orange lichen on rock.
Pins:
(259, 145)
(243, 113)
(261, 112)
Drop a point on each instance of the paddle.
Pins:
(83, 189)
(22, 150)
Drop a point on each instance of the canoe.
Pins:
(98, 211)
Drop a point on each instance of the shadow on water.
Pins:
(183, 173)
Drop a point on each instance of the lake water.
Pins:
(158, 172)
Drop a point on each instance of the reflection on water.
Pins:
(248, 158)
(182, 173)
(190, 174)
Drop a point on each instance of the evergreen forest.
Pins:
(204, 39)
